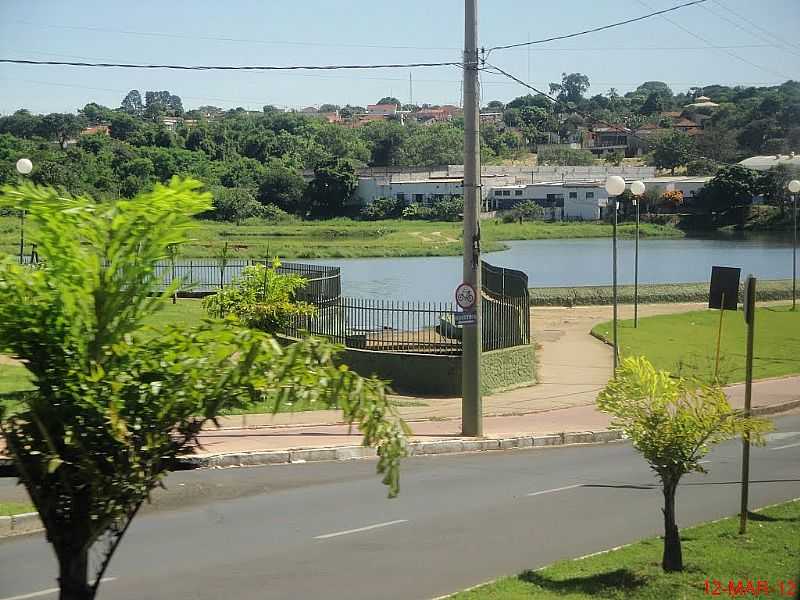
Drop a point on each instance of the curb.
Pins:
(20, 524)
(456, 446)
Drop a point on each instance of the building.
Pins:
(579, 199)
(491, 117)
(102, 129)
(383, 110)
(607, 140)
(410, 191)
(764, 163)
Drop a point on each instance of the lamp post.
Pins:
(615, 185)
(24, 167)
(794, 187)
(637, 189)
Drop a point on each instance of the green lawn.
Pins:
(714, 551)
(685, 343)
(345, 238)
(15, 508)
(15, 378)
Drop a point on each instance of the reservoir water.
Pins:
(571, 262)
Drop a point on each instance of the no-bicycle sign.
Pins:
(466, 296)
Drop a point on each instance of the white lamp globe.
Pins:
(24, 166)
(637, 188)
(615, 185)
(794, 186)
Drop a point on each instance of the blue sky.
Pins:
(756, 43)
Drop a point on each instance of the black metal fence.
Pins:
(424, 327)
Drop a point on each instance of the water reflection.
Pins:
(572, 262)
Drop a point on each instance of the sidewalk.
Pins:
(573, 368)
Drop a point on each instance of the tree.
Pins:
(653, 105)
(385, 140)
(389, 100)
(673, 423)
(113, 407)
(132, 103)
(565, 156)
(432, 145)
(383, 208)
(495, 106)
(615, 158)
(328, 108)
(571, 88)
(262, 298)
(235, 204)
(732, 187)
(123, 126)
(332, 187)
(718, 144)
(672, 150)
(528, 211)
(282, 186)
(21, 124)
(772, 185)
(94, 113)
(60, 127)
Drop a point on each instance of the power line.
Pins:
(712, 45)
(769, 34)
(596, 29)
(227, 67)
(160, 34)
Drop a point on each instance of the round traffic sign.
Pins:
(466, 296)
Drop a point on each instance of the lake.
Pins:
(571, 262)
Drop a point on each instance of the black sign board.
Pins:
(724, 292)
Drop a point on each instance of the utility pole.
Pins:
(750, 319)
(472, 337)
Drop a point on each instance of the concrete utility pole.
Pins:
(472, 338)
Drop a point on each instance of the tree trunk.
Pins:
(673, 557)
(73, 567)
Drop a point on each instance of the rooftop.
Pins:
(763, 163)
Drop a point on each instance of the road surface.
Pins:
(327, 530)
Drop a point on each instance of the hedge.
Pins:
(650, 293)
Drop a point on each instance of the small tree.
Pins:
(528, 211)
(262, 298)
(673, 422)
(112, 407)
(672, 150)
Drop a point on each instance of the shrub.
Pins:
(565, 156)
(383, 208)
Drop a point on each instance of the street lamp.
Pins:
(24, 167)
(794, 187)
(615, 185)
(637, 189)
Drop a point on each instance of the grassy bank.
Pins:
(15, 508)
(713, 551)
(649, 293)
(685, 343)
(346, 238)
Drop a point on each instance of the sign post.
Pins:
(723, 295)
(750, 319)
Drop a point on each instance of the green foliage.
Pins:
(528, 211)
(262, 298)
(733, 186)
(331, 189)
(384, 208)
(672, 150)
(235, 204)
(673, 423)
(111, 406)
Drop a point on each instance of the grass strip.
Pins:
(768, 553)
(685, 343)
(649, 293)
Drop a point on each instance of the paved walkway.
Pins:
(573, 368)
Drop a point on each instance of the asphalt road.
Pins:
(328, 531)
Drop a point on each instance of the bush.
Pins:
(383, 208)
(276, 214)
(701, 166)
(235, 204)
(449, 209)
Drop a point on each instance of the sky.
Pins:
(729, 42)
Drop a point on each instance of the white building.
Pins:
(765, 163)
(579, 199)
(420, 191)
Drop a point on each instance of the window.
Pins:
(589, 195)
(419, 198)
(401, 197)
(506, 192)
(518, 192)
(573, 195)
(498, 193)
